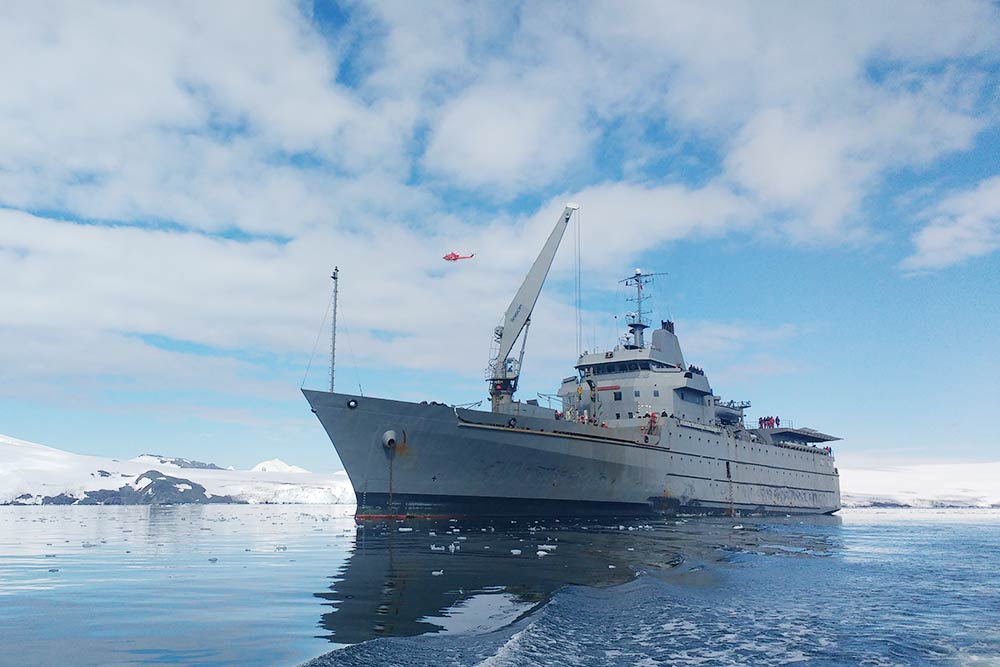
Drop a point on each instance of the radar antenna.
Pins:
(638, 324)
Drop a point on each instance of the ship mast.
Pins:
(333, 328)
(638, 324)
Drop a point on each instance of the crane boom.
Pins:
(502, 370)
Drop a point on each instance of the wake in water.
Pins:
(810, 594)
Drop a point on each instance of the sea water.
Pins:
(282, 585)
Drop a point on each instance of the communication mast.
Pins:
(333, 328)
(638, 323)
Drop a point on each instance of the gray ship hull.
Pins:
(434, 460)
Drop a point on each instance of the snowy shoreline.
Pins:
(940, 485)
(33, 474)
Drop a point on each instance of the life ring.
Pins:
(512, 422)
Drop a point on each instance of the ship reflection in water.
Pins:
(439, 576)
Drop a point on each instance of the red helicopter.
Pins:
(454, 257)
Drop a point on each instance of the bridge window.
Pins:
(630, 415)
(618, 396)
(637, 392)
(656, 393)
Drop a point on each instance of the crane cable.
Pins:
(577, 287)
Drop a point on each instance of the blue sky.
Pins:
(821, 182)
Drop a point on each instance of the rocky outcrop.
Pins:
(150, 488)
(155, 488)
(179, 462)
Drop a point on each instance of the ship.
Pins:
(635, 430)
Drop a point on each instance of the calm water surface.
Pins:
(281, 585)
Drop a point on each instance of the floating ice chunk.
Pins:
(738, 526)
(404, 529)
(547, 547)
(453, 547)
(281, 547)
(461, 537)
(541, 553)
(439, 548)
(516, 552)
(611, 567)
(437, 573)
(630, 549)
(432, 534)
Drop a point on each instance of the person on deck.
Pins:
(777, 422)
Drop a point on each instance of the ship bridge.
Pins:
(629, 383)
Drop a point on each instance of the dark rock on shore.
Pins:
(150, 488)
(184, 463)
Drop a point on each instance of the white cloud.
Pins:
(619, 220)
(962, 226)
(219, 117)
(506, 137)
(132, 112)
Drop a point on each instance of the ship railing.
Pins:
(826, 451)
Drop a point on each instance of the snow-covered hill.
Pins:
(933, 485)
(30, 473)
(277, 465)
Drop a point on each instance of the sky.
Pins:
(819, 181)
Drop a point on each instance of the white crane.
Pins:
(503, 370)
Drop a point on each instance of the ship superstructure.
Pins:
(635, 430)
